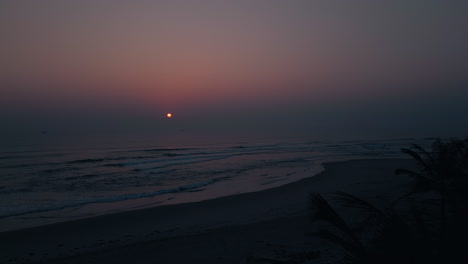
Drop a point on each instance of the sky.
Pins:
(297, 68)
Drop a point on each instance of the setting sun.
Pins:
(169, 115)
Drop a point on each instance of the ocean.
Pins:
(47, 184)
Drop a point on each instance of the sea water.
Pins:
(52, 183)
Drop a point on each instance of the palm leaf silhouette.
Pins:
(443, 170)
(364, 206)
(325, 212)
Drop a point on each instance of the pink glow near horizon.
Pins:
(212, 56)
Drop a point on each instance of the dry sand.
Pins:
(248, 228)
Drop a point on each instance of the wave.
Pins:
(254, 146)
(166, 149)
(158, 165)
(86, 161)
(107, 159)
(80, 177)
(174, 159)
(63, 169)
(76, 162)
(198, 160)
(111, 199)
(31, 156)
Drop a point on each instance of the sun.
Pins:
(169, 115)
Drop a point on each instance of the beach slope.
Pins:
(270, 225)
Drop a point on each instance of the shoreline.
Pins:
(215, 190)
(85, 237)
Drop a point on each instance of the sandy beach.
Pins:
(237, 132)
(260, 227)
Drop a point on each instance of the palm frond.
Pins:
(325, 212)
(425, 152)
(417, 157)
(409, 172)
(352, 201)
(403, 197)
(422, 181)
(355, 259)
(457, 143)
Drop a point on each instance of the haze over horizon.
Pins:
(315, 69)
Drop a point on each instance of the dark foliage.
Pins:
(415, 235)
